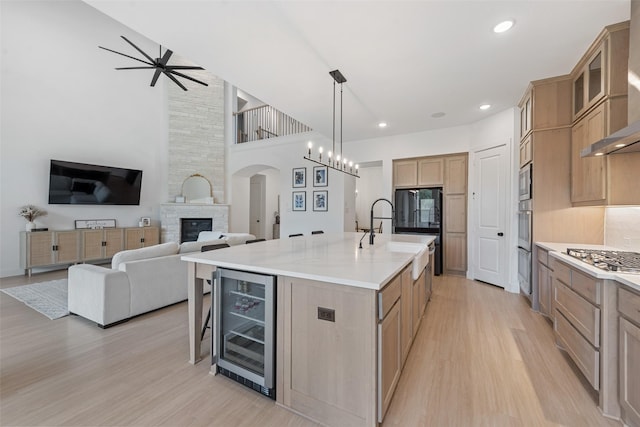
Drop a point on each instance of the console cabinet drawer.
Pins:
(583, 315)
(388, 296)
(561, 272)
(583, 354)
(629, 305)
(586, 286)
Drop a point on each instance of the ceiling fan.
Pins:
(160, 65)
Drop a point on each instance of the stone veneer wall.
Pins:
(172, 213)
(196, 132)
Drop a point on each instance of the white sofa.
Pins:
(139, 281)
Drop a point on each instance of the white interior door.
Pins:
(490, 205)
(256, 206)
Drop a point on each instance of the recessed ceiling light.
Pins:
(503, 26)
(485, 106)
(619, 145)
(438, 115)
(382, 125)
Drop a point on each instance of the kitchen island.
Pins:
(344, 370)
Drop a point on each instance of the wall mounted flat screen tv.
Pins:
(84, 184)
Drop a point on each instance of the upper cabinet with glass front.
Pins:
(602, 70)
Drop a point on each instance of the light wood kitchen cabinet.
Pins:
(602, 71)
(526, 112)
(405, 173)
(48, 248)
(406, 308)
(544, 283)
(586, 327)
(526, 151)
(455, 181)
(431, 172)
(101, 244)
(454, 245)
(389, 357)
(141, 237)
(588, 175)
(629, 354)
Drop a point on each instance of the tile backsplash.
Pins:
(622, 227)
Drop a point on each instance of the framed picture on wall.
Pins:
(299, 177)
(320, 176)
(299, 201)
(321, 201)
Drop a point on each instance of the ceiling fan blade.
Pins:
(136, 68)
(165, 58)
(175, 80)
(185, 76)
(139, 50)
(155, 76)
(183, 67)
(132, 57)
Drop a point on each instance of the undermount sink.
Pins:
(420, 260)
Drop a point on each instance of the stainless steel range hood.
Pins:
(626, 140)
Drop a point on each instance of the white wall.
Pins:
(62, 99)
(370, 187)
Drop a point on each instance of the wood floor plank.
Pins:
(481, 357)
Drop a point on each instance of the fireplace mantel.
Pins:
(172, 213)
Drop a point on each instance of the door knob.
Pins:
(501, 234)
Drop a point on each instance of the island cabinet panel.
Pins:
(405, 315)
(390, 357)
(629, 355)
(328, 368)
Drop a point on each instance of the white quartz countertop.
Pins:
(329, 257)
(559, 251)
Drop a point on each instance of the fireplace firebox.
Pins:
(190, 228)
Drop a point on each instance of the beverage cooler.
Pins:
(245, 328)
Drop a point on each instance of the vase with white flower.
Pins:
(30, 213)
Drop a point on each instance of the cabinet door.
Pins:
(389, 358)
(630, 372)
(588, 174)
(406, 306)
(39, 248)
(526, 151)
(92, 248)
(526, 119)
(67, 246)
(405, 173)
(151, 236)
(114, 242)
(455, 218)
(133, 238)
(430, 172)
(455, 253)
(455, 181)
(544, 289)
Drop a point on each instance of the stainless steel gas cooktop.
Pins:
(615, 261)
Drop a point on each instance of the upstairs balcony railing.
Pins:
(265, 122)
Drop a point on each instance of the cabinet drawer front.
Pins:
(561, 272)
(389, 295)
(586, 286)
(629, 305)
(543, 256)
(585, 357)
(584, 316)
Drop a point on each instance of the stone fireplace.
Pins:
(173, 214)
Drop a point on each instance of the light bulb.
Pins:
(310, 144)
(320, 152)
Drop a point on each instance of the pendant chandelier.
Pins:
(334, 159)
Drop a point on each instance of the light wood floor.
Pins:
(481, 358)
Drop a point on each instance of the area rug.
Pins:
(48, 298)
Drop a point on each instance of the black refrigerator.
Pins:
(419, 211)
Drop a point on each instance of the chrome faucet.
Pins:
(371, 232)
